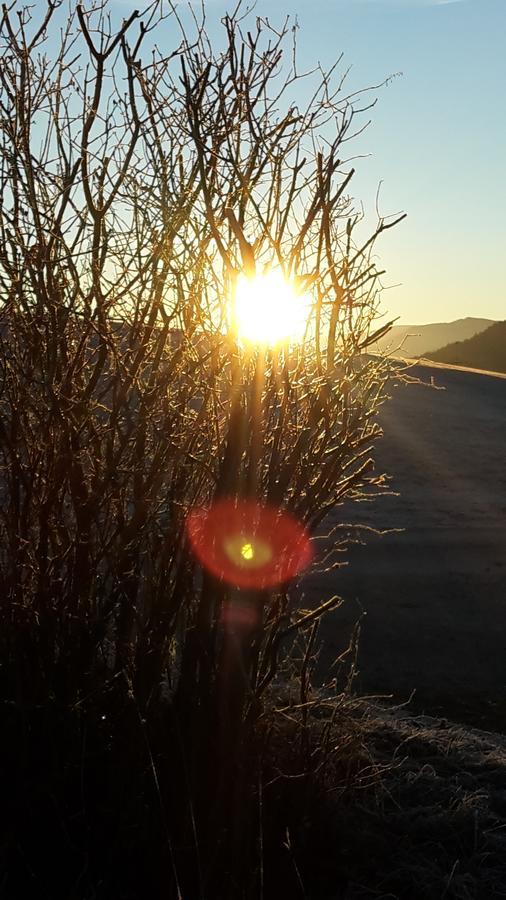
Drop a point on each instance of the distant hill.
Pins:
(420, 340)
(486, 350)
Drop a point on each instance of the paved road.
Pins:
(435, 594)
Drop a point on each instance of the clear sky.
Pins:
(437, 140)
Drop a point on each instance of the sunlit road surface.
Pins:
(435, 595)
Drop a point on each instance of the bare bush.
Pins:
(133, 193)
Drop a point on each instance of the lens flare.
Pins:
(250, 551)
(236, 617)
(248, 544)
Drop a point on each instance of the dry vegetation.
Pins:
(137, 760)
(410, 807)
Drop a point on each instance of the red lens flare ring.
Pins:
(248, 544)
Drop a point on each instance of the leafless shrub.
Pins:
(133, 193)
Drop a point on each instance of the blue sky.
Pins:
(438, 143)
(437, 140)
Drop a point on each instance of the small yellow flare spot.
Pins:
(247, 552)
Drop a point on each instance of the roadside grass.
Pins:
(436, 825)
(344, 798)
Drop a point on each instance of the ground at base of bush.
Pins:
(439, 829)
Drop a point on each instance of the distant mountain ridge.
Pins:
(420, 340)
(486, 350)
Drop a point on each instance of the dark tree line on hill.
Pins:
(486, 350)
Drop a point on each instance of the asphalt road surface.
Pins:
(434, 595)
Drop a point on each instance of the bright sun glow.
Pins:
(267, 309)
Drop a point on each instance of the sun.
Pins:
(268, 310)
